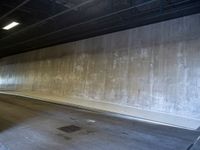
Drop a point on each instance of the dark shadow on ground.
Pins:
(15, 110)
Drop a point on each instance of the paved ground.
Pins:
(27, 124)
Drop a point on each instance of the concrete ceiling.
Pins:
(49, 22)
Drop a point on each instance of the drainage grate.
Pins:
(70, 128)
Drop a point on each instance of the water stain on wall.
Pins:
(155, 67)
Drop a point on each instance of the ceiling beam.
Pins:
(48, 18)
(14, 9)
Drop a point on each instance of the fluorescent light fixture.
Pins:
(11, 25)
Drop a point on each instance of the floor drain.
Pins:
(70, 128)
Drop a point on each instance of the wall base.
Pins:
(116, 110)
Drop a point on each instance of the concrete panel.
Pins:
(154, 68)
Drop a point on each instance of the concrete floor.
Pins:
(27, 124)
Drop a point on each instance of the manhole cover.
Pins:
(70, 128)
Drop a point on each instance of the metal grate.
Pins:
(70, 128)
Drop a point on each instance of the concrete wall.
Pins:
(151, 72)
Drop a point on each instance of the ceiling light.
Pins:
(11, 25)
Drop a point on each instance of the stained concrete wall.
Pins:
(150, 69)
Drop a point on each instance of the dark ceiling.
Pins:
(49, 22)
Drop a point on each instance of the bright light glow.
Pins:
(11, 25)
